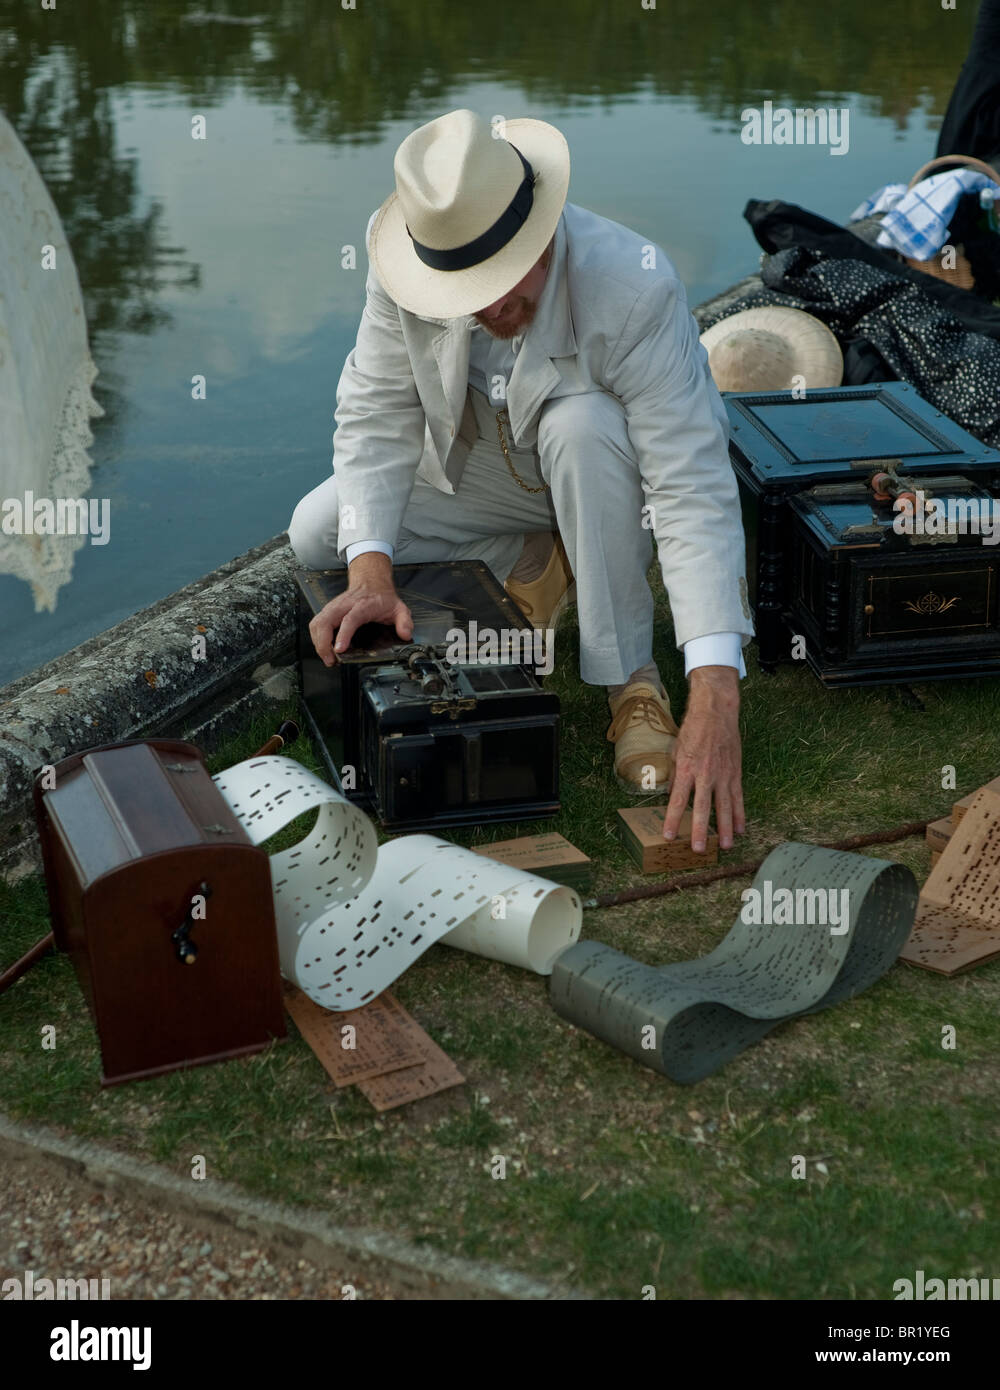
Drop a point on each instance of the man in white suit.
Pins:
(527, 388)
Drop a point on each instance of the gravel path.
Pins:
(61, 1228)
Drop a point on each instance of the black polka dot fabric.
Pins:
(868, 307)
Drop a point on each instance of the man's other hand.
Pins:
(708, 759)
(370, 598)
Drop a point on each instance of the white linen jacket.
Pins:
(613, 317)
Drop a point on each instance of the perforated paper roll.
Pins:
(687, 1019)
(352, 916)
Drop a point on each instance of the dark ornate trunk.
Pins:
(806, 582)
(871, 605)
(132, 834)
(434, 732)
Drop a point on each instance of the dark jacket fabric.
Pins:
(890, 321)
(972, 121)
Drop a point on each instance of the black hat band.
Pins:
(494, 239)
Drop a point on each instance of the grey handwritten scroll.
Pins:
(686, 1020)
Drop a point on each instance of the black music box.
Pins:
(164, 906)
(450, 728)
(781, 446)
(881, 593)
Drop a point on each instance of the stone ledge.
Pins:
(413, 1271)
(140, 680)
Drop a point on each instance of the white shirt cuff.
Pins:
(357, 548)
(714, 649)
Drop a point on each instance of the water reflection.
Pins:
(225, 258)
(344, 73)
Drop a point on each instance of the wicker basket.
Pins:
(961, 273)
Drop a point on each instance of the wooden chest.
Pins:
(869, 603)
(781, 446)
(164, 905)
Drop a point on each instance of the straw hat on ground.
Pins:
(765, 349)
(471, 213)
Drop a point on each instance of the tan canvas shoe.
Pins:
(645, 735)
(545, 598)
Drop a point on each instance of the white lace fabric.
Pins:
(46, 372)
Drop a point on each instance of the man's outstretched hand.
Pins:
(708, 759)
(370, 597)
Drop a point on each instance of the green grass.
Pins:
(615, 1177)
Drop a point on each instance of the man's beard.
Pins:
(513, 320)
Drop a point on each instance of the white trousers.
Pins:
(595, 501)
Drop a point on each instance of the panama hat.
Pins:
(471, 213)
(764, 349)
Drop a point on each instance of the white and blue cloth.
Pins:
(916, 219)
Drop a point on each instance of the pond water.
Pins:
(223, 256)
